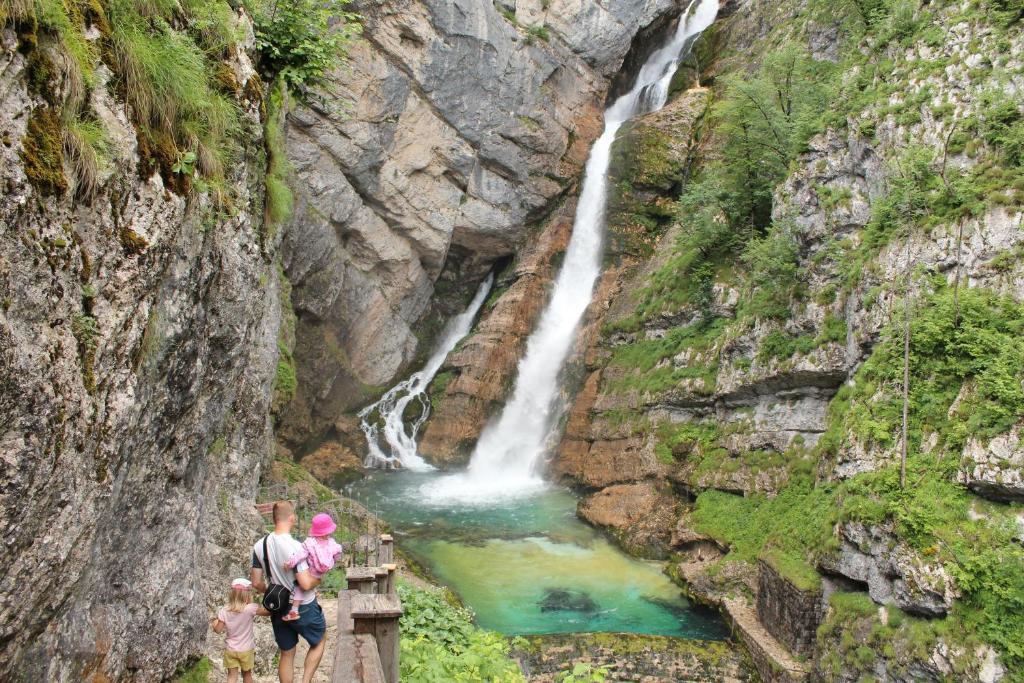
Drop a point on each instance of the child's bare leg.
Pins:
(233, 675)
(297, 596)
(247, 676)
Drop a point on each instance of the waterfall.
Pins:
(506, 460)
(392, 405)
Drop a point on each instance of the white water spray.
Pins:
(392, 405)
(505, 462)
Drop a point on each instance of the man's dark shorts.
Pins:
(311, 625)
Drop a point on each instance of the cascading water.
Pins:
(506, 458)
(392, 405)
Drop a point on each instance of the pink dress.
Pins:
(321, 556)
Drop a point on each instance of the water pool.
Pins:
(530, 566)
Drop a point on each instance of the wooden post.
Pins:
(389, 580)
(387, 549)
(378, 615)
(362, 579)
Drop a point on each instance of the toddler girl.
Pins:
(320, 551)
(237, 618)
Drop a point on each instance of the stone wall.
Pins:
(789, 613)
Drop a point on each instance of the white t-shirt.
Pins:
(279, 548)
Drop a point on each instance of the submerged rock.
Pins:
(567, 600)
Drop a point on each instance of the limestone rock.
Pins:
(448, 136)
(334, 464)
(484, 366)
(640, 516)
(137, 354)
(995, 470)
(893, 572)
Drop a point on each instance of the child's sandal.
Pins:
(291, 616)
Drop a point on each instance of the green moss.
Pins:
(42, 153)
(647, 366)
(199, 672)
(794, 568)
(279, 197)
(133, 242)
(86, 332)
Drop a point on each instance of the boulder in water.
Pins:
(567, 600)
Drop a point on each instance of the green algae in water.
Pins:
(530, 566)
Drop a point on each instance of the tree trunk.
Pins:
(906, 370)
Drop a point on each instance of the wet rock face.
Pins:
(483, 367)
(137, 353)
(451, 128)
(893, 573)
(640, 516)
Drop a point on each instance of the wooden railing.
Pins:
(369, 610)
(368, 614)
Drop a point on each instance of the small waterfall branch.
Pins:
(386, 418)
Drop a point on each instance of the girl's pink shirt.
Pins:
(320, 555)
(239, 627)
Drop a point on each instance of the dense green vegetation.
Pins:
(966, 358)
(440, 643)
(969, 346)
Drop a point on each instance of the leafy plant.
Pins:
(584, 673)
(439, 643)
(301, 41)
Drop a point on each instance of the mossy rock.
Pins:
(41, 152)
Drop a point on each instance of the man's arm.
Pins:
(256, 575)
(305, 580)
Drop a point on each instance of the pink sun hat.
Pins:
(322, 525)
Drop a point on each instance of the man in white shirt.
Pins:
(311, 626)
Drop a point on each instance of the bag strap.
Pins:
(266, 561)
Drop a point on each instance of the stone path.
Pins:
(763, 645)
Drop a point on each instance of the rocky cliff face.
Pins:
(768, 403)
(137, 350)
(452, 136)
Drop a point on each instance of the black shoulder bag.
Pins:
(277, 598)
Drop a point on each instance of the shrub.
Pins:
(301, 41)
(440, 644)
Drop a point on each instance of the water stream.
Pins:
(399, 439)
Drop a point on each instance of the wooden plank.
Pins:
(364, 572)
(345, 612)
(357, 660)
(365, 606)
(356, 657)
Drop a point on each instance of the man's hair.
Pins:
(282, 509)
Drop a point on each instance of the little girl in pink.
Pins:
(320, 551)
